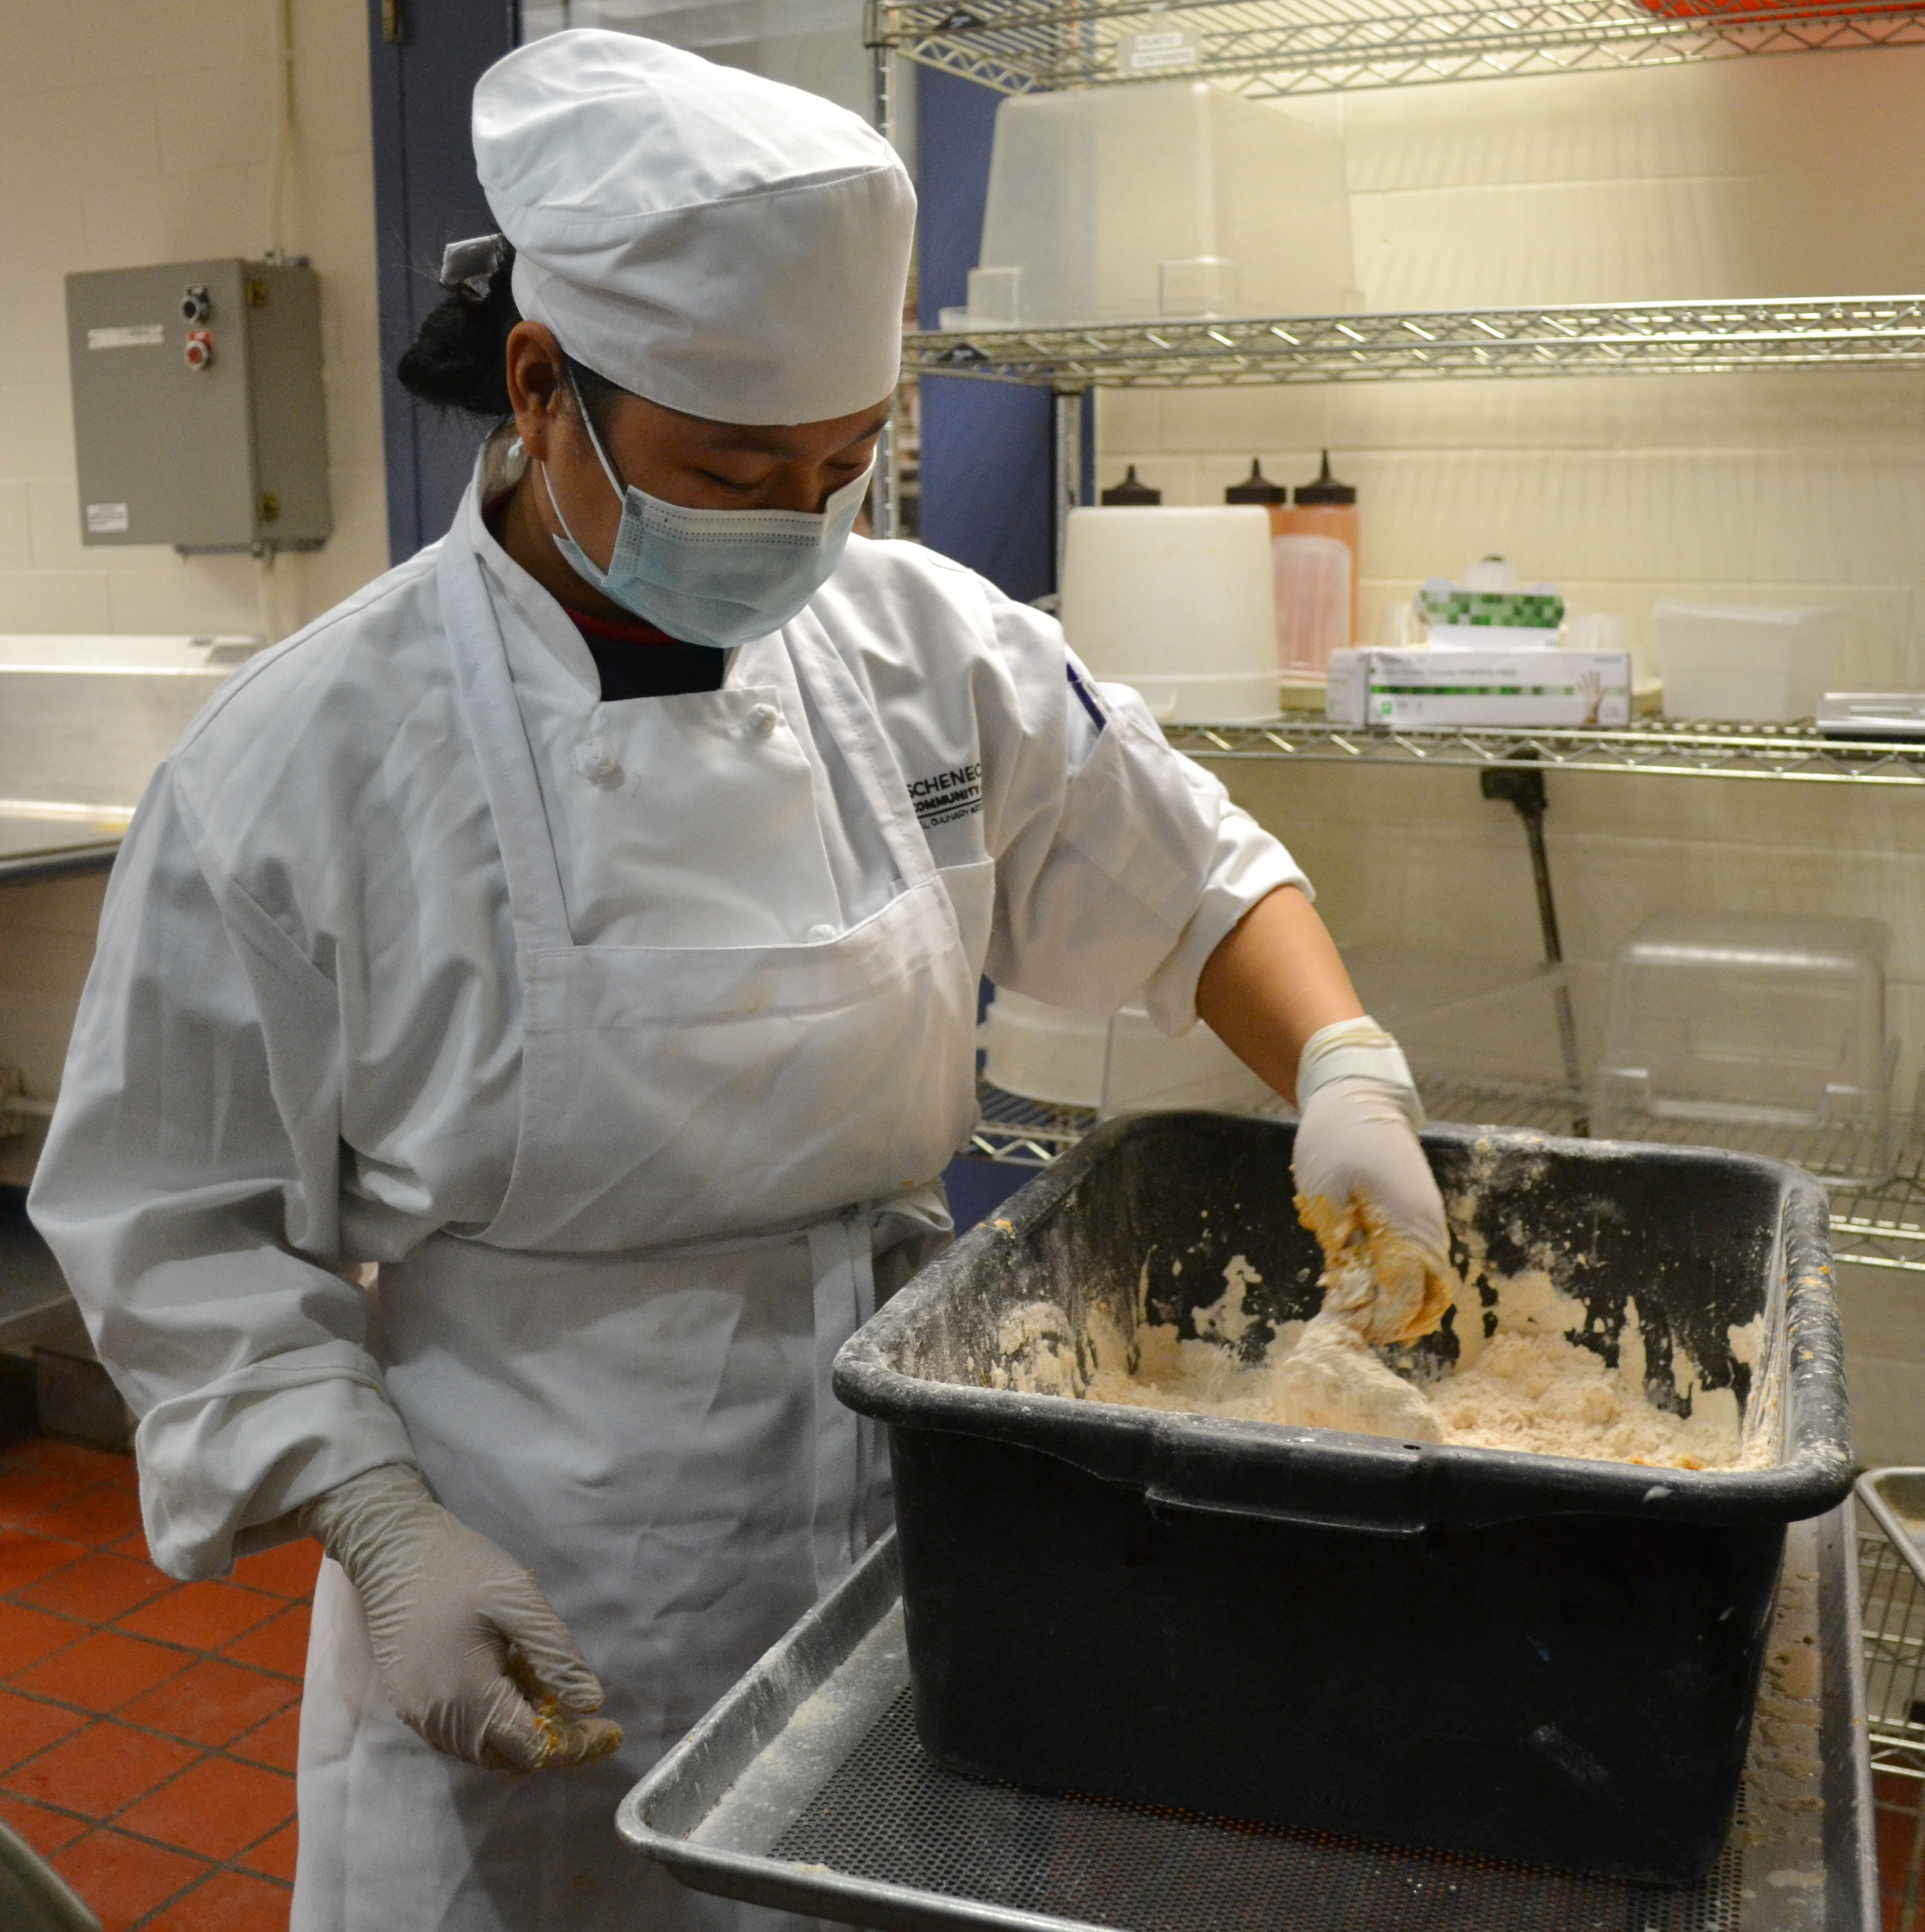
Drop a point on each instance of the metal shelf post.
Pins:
(1521, 787)
(1069, 468)
(885, 493)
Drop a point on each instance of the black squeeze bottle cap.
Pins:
(1256, 488)
(1130, 492)
(1326, 489)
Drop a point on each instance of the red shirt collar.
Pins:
(609, 631)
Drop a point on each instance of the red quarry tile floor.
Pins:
(1901, 1843)
(147, 1727)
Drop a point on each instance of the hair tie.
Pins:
(470, 267)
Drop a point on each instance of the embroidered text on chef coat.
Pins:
(944, 796)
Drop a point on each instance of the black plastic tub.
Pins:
(1526, 1657)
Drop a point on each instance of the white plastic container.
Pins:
(1176, 199)
(1489, 610)
(1122, 1065)
(1756, 1030)
(1755, 662)
(1147, 1069)
(1179, 604)
(1873, 714)
(1043, 1052)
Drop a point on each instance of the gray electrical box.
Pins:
(198, 414)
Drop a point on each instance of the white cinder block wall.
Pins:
(142, 131)
(137, 132)
(1779, 176)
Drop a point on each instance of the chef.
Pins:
(582, 924)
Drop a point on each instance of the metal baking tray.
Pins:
(805, 1789)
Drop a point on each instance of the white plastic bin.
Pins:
(1176, 199)
(1147, 1069)
(1043, 1052)
(1120, 1065)
(1178, 603)
(1755, 662)
(1762, 1031)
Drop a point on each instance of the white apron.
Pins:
(624, 1380)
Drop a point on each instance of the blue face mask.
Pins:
(718, 577)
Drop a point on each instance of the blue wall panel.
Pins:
(989, 451)
(425, 196)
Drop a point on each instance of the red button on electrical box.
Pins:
(199, 348)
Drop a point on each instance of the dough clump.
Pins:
(1527, 1386)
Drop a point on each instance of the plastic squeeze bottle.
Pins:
(1325, 508)
(1312, 574)
(1257, 488)
(1133, 493)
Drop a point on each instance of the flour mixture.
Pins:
(1527, 1386)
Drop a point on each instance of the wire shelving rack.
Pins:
(1272, 49)
(1642, 338)
(1874, 1223)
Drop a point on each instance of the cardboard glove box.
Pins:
(1501, 686)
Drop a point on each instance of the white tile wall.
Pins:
(133, 131)
(1884, 1362)
(141, 131)
(1766, 177)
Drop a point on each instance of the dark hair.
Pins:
(458, 359)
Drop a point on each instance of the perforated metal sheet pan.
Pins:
(805, 1788)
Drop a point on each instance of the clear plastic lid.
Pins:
(1747, 1017)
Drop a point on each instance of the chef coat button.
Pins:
(763, 719)
(595, 763)
(818, 934)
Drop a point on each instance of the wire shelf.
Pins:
(1269, 50)
(1891, 1580)
(1692, 750)
(1874, 1223)
(1893, 1612)
(1025, 1133)
(1878, 1201)
(1637, 338)
(1883, 1225)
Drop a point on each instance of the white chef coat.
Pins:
(300, 1046)
(304, 1044)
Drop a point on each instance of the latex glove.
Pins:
(1365, 1190)
(471, 1653)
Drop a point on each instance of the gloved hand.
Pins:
(1365, 1190)
(471, 1653)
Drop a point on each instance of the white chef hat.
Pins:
(717, 242)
